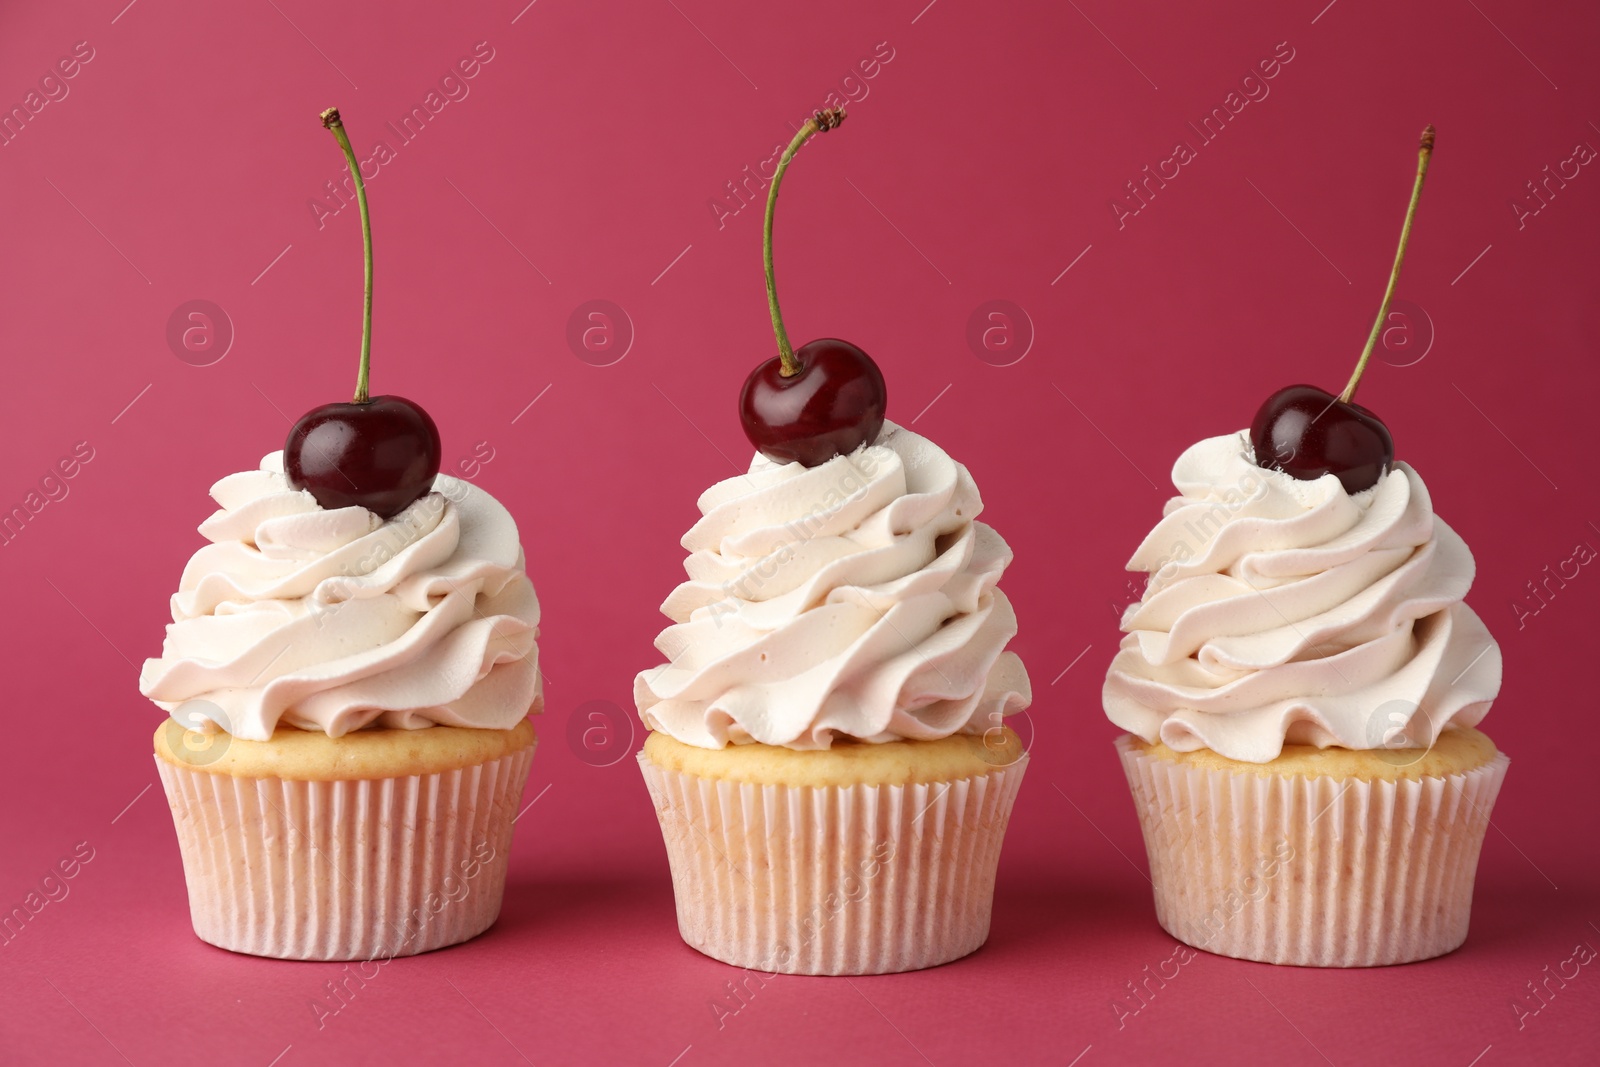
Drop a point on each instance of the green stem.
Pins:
(331, 120)
(821, 122)
(1424, 153)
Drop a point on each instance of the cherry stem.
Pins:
(332, 121)
(1424, 153)
(821, 122)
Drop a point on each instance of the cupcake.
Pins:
(828, 754)
(829, 761)
(348, 676)
(1301, 685)
(348, 734)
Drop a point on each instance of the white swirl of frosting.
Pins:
(855, 598)
(1285, 611)
(335, 620)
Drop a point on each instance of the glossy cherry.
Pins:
(380, 455)
(1307, 432)
(833, 406)
(828, 399)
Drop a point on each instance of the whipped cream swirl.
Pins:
(335, 620)
(1285, 611)
(854, 598)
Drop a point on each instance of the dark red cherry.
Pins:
(380, 455)
(832, 407)
(1307, 432)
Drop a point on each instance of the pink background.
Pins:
(978, 166)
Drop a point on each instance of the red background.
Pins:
(979, 166)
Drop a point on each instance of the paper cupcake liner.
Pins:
(350, 870)
(1317, 872)
(864, 879)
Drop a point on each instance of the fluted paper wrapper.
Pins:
(864, 879)
(1317, 872)
(350, 870)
